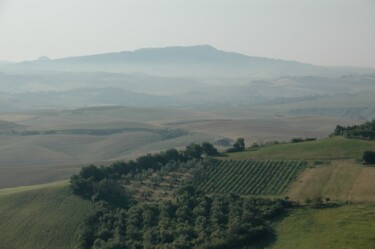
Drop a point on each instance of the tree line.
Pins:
(363, 131)
(103, 183)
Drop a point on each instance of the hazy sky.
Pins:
(324, 32)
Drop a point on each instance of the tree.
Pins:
(369, 157)
(172, 155)
(338, 130)
(208, 149)
(239, 145)
(92, 172)
(193, 151)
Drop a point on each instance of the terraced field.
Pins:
(247, 177)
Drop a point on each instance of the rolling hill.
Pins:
(186, 77)
(50, 145)
(53, 215)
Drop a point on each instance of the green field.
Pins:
(245, 177)
(41, 216)
(341, 178)
(329, 148)
(349, 226)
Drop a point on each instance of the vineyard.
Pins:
(247, 177)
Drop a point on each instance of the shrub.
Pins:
(369, 157)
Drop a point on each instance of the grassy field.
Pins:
(339, 180)
(25, 176)
(334, 170)
(346, 227)
(327, 149)
(41, 216)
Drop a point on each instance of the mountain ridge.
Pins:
(200, 60)
(177, 51)
(181, 61)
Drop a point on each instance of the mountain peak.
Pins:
(194, 47)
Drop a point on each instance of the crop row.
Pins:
(247, 177)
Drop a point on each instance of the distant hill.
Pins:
(91, 97)
(177, 61)
(7, 126)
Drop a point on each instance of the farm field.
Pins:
(55, 157)
(245, 177)
(281, 128)
(41, 216)
(333, 169)
(11, 177)
(349, 226)
(338, 180)
(69, 139)
(360, 101)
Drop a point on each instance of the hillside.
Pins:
(43, 217)
(246, 177)
(334, 169)
(351, 226)
(56, 143)
(334, 173)
(325, 186)
(151, 180)
(338, 180)
(326, 149)
(8, 126)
